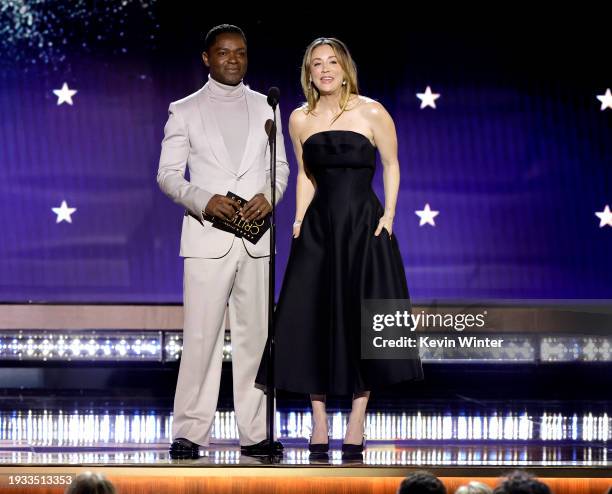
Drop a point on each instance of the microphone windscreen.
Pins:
(269, 127)
(273, 96)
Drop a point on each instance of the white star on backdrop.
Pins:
(605, 217)
(428, 98)
(606, 100)
(427, 215)
(65, 94)
(63, 213)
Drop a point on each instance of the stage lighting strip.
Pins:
(166, 346)
(576, 349)
(52, 428)
(81, 345)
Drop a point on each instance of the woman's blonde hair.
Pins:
(474, 487)
(349, 85)
(91, 483)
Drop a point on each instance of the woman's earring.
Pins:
(344, 83)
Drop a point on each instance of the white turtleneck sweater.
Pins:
(230, 109)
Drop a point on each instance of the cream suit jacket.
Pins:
(193, 141)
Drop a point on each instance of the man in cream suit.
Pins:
(219, 134)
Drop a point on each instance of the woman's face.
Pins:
(325, 70)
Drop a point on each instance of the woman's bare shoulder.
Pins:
(369, 104)
(298, 116)
(372, 109)
(301, 111)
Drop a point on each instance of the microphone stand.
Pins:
(270, 408)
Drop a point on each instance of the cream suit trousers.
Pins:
(208, 285)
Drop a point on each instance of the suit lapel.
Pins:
(249, 156)
(213, 133)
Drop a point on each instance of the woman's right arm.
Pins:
(304, 188)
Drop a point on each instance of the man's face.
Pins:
(226, 59)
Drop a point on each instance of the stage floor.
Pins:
(378, 454)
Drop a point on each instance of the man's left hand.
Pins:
(257, 208)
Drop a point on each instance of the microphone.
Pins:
(273, 96)
(270, 127)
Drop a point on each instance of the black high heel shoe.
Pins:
(353, 449)
(318, 448)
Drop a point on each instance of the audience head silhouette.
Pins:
(519, 482)
(91, 483)
(421, 482)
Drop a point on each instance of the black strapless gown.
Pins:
(334, 264)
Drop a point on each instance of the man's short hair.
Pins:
(211, 36)
(421, 482)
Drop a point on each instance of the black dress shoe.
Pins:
(318, 448)
(353, 449)
(262, 448)
(182, 449)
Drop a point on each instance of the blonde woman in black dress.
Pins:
(343, 250)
